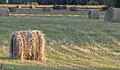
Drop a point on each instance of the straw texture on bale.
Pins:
(46, 9)
(112, 15)
(94, 14)
(27, 45)
(4, 12)
(73, 8)
(57, 7)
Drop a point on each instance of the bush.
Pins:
(34, 3)
(116, 3)
(113, 3)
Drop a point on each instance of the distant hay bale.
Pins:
(1, 66)
(74, 8)
(12, 9)
(46, 9)
(112, 15)
(57, 7)
(18, 6)
(64, 7)
(94, 14)
(32, 6)
(27, 45)
(4, 12)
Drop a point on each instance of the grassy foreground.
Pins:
(73, 43)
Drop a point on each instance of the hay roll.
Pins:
(18, 6)
(46, 9)
(112, 15)
(57, 7)
(4, 12)
(94, 14)
(27, 45)
(74, 8)
(12, 9)
(64, 7)
(32, 6)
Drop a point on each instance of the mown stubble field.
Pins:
(74, 43)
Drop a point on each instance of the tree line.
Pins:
(109, 3)
(59, 2)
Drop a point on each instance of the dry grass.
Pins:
(28, 45)
(52, 15)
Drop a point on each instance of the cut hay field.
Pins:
(72, 43)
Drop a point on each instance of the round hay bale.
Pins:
(46, 9)
(94, 14)
(32, 6)
(27, 45)
(18, 6)
(64, 7)
(12, 9)
(57, 7)
(4, 12)
(74, 8)
(112, 15)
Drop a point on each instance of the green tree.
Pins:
(116, 3)
(1, 1)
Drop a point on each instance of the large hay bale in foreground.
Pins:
(94, 14)
(57, 7)
(112, 15)
(27, 45)
(46, 9)
(74, 8)
(4, 12)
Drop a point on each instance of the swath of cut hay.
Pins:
(4, 12)
(27, 45)
(112, 15)
(49, 15)
(94, 14)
